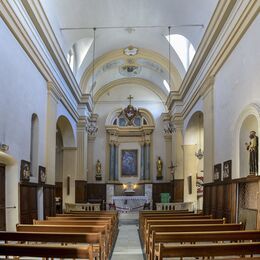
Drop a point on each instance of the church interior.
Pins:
(126, 124)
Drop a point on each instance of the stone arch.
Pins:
(248, 119)
(65, 161)
(194, 163)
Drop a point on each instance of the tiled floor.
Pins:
(128, 245)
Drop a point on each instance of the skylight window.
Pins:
(183, 48)
(165, 83)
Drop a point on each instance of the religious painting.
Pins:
(217, 173)
(25, 171)
(227, 170)
(42, 174)
(129, 163)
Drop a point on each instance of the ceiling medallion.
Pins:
(129, 70)
(131, 51)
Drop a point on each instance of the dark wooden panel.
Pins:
(178, 190)
(80, 191)
(2, 198)
(219, 199)
(28, 203)
(96, 193)
(49, 200)
(158, 188)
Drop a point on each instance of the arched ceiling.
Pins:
(120, 23)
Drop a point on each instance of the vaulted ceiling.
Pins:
(120, 23)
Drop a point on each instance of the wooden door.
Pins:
(2, 198)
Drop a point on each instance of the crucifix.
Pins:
(130, 98)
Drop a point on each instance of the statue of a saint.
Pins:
(98, 167)
(159, 165)
(252, 147)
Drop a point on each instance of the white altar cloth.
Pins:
(129, 203)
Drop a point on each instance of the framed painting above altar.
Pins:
(129, 163)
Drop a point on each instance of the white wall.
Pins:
(237, 85)
(111, 101)
(23, 92)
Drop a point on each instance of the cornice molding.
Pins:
(42, 25)
(29, 40)
(231, 28)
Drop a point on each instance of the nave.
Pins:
(172, 234)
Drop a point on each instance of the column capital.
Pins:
(53, 91)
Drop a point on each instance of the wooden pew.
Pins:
(168, 216)
(189, 228)
(150, 213)
(96, 214)
(70, 229)
(87, 238)
(177, 222)
(112, 230)
(208, 250)
(194, 237)
(78, 252)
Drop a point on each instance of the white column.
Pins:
(90, 161)
(208, 108)
(82, 144)
(69, 170)
(168, 157)
(52, 103)
(177, 149)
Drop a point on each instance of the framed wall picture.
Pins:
(42, 174)
(227, 170)
(129, 162)
(25, 171)
(217, 173)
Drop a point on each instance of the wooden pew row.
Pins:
(150, 213)
(113, 221)
(195, 237)
(177, 222)
(111, 230)
(142, 222)
(69, 229)
(209, 250)
(92, 239)
(74, 252)
(96, 214)
(189, 228)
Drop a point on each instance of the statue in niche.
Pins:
(252, 147)
(159, 165)
(98, 171)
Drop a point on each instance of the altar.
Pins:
(129, 203)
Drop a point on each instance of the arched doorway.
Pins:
(65, 163)
(193, 160)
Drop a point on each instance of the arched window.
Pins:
(34, 145)
(183, 47)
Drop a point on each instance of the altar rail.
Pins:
(175, 206)
(82, 207)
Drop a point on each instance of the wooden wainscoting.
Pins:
(96, 193)
(2, 198)
(220, 200)
(28, 202)
(49, 200)
(80, 191)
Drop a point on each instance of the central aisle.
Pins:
(128, 244)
